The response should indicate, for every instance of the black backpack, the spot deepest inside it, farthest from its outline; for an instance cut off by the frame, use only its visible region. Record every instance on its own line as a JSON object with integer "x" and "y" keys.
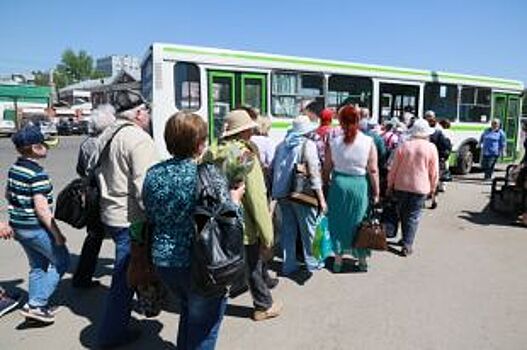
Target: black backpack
{"x": 442, "y": 143}
{"x": 218, "y": 252}
{"x": 78, "y": 203}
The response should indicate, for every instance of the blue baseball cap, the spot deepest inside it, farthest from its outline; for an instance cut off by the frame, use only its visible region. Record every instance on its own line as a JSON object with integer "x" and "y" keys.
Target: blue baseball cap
{"x": 31, "y": 135}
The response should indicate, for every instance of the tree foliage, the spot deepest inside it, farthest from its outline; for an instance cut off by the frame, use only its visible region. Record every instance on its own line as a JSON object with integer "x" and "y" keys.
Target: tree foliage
{"x": 74, "y": 67}
{"x": 41, "y": 78}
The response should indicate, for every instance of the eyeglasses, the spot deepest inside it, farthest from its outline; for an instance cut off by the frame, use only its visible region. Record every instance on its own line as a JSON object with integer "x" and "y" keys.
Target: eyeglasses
{"x": 147, "y": 108}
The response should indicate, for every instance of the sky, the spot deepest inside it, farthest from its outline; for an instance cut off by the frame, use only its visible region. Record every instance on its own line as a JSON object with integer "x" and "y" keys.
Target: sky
{"x": 472, "y": 37}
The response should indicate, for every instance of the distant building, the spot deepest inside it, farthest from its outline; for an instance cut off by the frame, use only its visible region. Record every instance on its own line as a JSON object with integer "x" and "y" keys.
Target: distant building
{"x": 114, "y": 64}
{"x": 101, "y": 89}
{"x": 18, "y": 79}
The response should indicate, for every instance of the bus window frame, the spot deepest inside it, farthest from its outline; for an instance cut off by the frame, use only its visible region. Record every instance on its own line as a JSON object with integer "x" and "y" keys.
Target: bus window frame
{"x": 147, "y": 71}
{"x": 369, "y": 100}
{"x": 297, "y": 96}
{"x": 176, "y": 84}
{"x": 455, "y": 102}
{"x": 475, "y": 104}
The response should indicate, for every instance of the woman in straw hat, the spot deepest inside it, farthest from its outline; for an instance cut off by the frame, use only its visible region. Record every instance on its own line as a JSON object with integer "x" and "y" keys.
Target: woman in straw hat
{"x": 258, "y": 230}
{"x": 412, "y": 177}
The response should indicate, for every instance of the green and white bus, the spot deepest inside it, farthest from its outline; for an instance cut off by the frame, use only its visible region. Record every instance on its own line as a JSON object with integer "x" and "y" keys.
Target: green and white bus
{"x": 210, "y": 82}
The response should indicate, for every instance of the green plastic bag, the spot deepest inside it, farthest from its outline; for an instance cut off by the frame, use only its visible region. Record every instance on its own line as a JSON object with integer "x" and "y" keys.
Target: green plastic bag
{"x": 322, "y": 248}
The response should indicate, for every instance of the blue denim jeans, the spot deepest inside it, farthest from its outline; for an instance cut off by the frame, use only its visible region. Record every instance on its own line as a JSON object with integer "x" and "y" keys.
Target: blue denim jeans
{"x": 48, "y": 262}
{"x": 297, "y": 218}
{"x": 118, "y": 306}
{"x": 409, "y": 207}
{"x": 200, "y": 318}
{"x": 487, "y": 164}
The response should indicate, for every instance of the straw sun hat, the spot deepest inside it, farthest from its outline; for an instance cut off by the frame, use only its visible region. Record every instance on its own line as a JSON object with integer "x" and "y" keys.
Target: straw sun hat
{"x": 237, "y": 121}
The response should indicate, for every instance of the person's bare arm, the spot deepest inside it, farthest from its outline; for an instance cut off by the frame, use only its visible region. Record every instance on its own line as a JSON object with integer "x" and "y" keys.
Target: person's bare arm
{"x": 46, "y": 218}
{"x": 373, "y": 172}
{"x": 327, "y": 167}
{"x": 6, "y": 232}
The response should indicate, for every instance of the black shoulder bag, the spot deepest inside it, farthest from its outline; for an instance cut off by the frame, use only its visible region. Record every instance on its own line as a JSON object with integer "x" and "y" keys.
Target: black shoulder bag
{"x": 217, "y": 259}
{"x": 78, "y": 203}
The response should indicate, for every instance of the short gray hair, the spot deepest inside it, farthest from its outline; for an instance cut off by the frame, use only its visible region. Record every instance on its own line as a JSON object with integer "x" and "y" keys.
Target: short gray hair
{"x": 430, "y": 113}
{"x": 102, "y": 117}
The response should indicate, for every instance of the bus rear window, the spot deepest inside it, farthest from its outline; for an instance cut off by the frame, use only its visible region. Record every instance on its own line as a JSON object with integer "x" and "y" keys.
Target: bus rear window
{"x": 147, "y": 79}
{"x": 187, "y": 86}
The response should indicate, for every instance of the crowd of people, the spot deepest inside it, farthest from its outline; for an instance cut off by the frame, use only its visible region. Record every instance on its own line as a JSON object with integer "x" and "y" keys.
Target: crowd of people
{"x": 350, "y": 168}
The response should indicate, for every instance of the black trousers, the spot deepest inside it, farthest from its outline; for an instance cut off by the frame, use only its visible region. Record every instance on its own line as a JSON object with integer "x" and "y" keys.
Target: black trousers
{"x": 262, "y": 299}
{"x": 88, "y": 258}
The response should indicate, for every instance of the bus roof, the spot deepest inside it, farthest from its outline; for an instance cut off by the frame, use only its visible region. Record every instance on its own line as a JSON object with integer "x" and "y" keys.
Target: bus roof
{"x": 272, "y": 61}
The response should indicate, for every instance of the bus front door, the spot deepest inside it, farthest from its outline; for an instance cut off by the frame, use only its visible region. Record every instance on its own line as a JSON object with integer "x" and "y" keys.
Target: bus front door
{"x": 253, "y": 91}
{"x": 222, "y": 92}
{"x": 228, "y": 90}
{"x": 507, "y": 110}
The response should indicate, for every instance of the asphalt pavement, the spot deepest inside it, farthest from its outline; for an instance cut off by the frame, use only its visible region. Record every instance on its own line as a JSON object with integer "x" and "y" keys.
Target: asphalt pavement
{"x": 463, "y": 288}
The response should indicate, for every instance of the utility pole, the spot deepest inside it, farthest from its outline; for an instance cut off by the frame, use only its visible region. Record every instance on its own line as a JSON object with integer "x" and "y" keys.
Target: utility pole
{"x": 54, "y": 97}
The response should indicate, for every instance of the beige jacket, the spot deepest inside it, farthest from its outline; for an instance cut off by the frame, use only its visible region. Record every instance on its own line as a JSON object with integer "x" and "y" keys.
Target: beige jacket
{"x": 122, "y": 172}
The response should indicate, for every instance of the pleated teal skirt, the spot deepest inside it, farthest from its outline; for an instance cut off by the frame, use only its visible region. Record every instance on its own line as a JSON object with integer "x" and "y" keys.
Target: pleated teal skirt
{"x": 347, "y": 207}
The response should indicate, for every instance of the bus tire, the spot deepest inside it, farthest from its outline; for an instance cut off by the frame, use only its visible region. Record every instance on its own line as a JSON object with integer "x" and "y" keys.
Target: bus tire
{"x": 465, "y": 160}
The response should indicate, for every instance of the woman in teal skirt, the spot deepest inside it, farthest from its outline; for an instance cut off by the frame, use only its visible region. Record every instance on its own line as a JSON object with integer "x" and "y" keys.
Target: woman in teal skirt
{"x": 351, "y": 160}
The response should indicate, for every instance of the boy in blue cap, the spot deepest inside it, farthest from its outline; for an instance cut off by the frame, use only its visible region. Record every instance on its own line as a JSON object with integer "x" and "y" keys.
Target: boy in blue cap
{"x": 30, "y": 196}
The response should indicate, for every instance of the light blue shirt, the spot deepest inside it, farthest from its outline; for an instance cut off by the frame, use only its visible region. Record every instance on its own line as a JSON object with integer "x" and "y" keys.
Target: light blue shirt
{"x": 493, "y": 142}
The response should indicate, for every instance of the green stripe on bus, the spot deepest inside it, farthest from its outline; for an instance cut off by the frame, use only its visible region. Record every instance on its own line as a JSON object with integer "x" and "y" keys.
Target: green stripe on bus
{"x": 469, "y": 127}
{"x": 284, "y": 124}
{"x": 280, "y": 124}
{"x": 364, "y": 67}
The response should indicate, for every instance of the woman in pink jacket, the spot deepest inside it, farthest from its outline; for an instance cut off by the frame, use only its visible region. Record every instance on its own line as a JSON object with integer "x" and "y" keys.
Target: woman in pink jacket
{"x": 412, "y": 177}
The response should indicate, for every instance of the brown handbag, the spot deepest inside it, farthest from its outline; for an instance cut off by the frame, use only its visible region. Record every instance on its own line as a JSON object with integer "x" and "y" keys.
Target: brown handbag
{"x": 371, "y": 233}
{"x": 301, "y": 191}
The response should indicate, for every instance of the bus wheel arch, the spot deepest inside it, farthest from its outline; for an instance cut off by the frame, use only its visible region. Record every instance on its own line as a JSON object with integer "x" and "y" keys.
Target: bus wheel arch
{"x": 467, "y": 155}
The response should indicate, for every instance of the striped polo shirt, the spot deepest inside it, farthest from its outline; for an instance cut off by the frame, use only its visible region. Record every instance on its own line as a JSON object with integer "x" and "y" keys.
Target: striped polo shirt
{"x": 25, "y": 179}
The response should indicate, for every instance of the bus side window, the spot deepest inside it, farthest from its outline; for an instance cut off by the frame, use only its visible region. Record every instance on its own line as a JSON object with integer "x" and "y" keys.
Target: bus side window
{"x": 349, "y": 89}
{"x": 187, "y": 86}
{"x": 290, "y": 89}
{"x": 475, "y": 103}
{"x": 442, "y": 99}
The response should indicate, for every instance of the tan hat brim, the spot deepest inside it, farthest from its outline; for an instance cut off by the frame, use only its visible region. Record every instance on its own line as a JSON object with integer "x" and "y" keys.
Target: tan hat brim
{"x": 239, "y": 129}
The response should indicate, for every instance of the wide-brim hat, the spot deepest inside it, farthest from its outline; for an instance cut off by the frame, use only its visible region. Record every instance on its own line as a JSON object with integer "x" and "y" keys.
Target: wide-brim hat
{"x": 237, "y": 121}
{"x": 421, "y": 129}
{"x": 302, "y": 125}
{"x": 124, "y": 100}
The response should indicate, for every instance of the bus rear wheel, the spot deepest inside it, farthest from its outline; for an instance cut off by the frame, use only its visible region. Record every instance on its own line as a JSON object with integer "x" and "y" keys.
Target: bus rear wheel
{"x": 465, "y": 160}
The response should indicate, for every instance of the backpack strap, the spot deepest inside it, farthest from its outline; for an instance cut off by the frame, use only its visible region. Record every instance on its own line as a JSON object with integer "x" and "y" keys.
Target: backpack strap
{"x": 303, "y": 152}
{"x": 107, "y": 147}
